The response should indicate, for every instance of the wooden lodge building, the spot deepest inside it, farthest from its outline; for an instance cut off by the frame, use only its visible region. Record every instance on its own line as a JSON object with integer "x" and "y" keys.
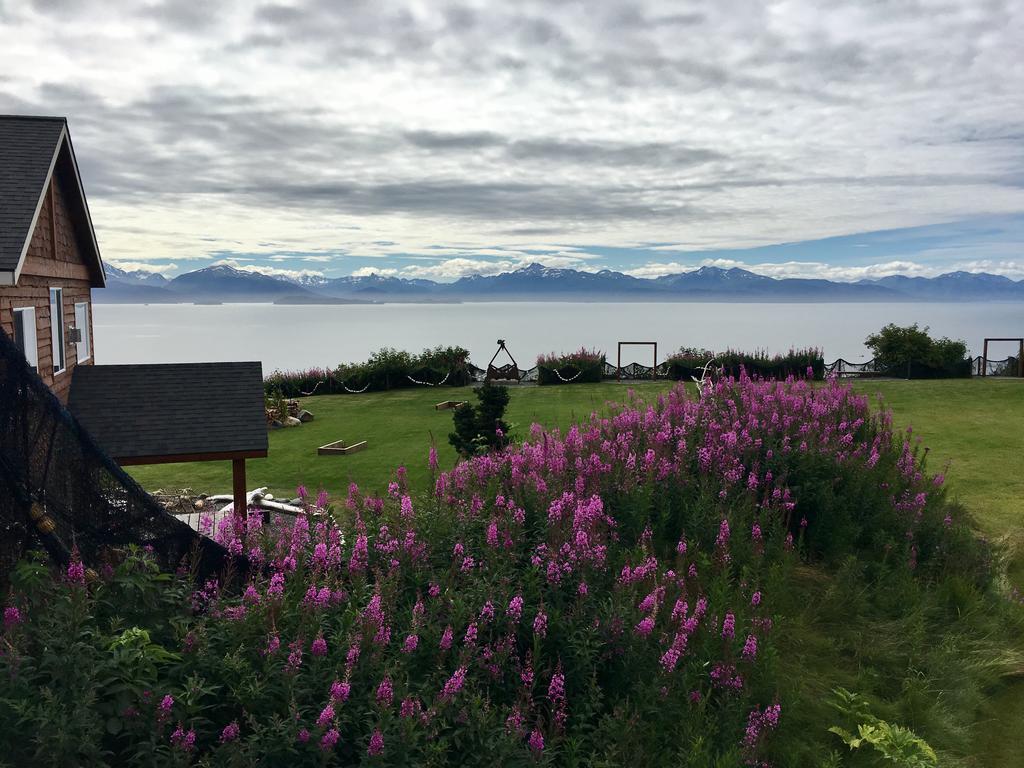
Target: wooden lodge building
{"x": 49, "y": 260}
{"x": 49, "y": 264}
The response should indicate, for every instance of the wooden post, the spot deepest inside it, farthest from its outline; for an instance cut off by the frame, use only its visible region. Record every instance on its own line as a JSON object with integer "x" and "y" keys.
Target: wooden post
{"x": 984, "y": 358}
{"x": 238, "y": 482}
{"x": 1020, "y": 359}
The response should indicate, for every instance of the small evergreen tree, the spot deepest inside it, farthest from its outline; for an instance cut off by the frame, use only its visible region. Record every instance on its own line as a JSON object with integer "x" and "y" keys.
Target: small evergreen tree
{"x": 481, "y": 428}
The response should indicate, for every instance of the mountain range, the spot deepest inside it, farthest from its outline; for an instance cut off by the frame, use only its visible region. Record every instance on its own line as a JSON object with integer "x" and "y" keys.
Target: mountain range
{"x": 224, "y": 284}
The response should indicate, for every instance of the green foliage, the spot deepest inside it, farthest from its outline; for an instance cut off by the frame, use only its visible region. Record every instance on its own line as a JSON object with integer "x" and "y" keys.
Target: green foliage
{"x": 387, "y": 368}
{"x": 689, "y": 362}
{"x": 895, "y": 745}
{"x": 584, "y": 366}
{"x": 910, "y": 351}
{"x": 274, "y": 401}
{"x": 481, "y": 428}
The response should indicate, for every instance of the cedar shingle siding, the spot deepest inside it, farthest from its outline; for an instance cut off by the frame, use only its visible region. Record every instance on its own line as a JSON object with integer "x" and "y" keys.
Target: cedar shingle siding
{"x": 60, "y": 252}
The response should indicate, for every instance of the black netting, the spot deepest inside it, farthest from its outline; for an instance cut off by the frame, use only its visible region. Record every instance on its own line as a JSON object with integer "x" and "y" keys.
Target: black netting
{"x": 52, "y": 469}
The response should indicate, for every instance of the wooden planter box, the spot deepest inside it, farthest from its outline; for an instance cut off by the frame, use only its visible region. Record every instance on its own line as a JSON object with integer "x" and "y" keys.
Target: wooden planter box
{"x": 339, "y": 447}
{"x": 448, "y": 404}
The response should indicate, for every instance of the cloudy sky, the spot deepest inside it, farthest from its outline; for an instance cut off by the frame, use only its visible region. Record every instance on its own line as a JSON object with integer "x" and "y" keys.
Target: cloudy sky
{"x": 438, "y": 139}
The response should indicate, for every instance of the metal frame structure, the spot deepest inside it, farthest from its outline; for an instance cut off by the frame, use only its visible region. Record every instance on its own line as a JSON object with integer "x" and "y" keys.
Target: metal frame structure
{"x": 618, "y": 366}
{"x": 1020, "y": 355}
{"x": 500, "y": 374}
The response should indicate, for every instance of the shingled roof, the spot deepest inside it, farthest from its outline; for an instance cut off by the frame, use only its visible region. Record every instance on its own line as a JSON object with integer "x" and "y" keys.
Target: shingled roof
{"x": 32, "y": 149}
{"x": 177, "y": 411}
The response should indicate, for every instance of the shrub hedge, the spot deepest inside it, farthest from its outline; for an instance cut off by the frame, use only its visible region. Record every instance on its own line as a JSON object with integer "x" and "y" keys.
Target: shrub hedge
{"x": 688, "y": 362}
{"x": 386, "y": 368}
{"x": 580, "y": 367}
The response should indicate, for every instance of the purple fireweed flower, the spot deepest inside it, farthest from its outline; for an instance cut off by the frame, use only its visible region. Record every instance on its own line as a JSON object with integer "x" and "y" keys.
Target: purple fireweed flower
{"x": 470, "y": 638}
{"x": 487, "y": 612}
{"x": 385, "y": 692}
{"x": 645, "y": 627}
{"x": 376, "y": 743}
{"x": 410, "y": 707}
{"x": 230, "y": 732}
{"x": 12, "y": 617}
{"x": 301, "y": 492}
{"x": 515, "y": 608}
{"x": 76, "y": 572}
{"x": 410, "y": 644}
{"x": 750, "y": 648}
{"x": 182, "y": 739}
{"x": 556, "y": 695}
{"x": 273, "y": 644}
{"x": 536, "y": 741}
{"x": 319, "y": 647}
{"x": 446, "y": 638}
{"x": 276, "y": 588}
{"x": 514, "y": 722}
{"x": 432, "y": 458}
{"x": 322, "y": 499}
{"x": 329, "y": 739}
{"x": 166, "y": 704}
{"x": 729, "y": 626}
{"x": 454, "y": 684}
{"x": 303, "y": 735}
{"x": 340, "y": 691}
{"x": 326, "y": 716}
{"x": 540, "y": 624}
{"x": 755, "y": 599}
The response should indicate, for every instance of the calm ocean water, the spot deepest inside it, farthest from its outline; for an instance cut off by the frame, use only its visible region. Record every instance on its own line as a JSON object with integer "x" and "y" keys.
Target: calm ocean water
{"x": 290, "y": 337}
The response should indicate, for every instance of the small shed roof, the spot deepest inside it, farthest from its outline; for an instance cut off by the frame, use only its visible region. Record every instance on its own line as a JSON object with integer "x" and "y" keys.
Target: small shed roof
{"x": 172, "y": 412}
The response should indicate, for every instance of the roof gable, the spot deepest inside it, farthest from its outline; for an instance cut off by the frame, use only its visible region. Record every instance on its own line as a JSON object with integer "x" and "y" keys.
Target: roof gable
{"x": 32, "y": 150}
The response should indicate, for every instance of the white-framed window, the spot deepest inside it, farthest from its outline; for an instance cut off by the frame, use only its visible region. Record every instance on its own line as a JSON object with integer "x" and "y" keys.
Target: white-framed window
{"x": 25, "y": 334}
{"x": 57, "y": 329}
{"x": 84, "y": 347}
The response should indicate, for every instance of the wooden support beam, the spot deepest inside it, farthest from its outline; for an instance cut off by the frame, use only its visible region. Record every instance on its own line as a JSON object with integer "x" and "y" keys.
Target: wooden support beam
{"x": 238, "y": 485}
{"x": 984, "y": 359}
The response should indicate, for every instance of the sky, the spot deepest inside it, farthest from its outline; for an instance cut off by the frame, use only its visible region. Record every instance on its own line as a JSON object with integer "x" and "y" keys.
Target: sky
{"x": 436, "y": 139}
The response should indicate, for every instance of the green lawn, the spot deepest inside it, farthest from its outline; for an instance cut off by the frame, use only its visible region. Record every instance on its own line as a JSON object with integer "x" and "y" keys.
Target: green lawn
{"x": 398, "y": 425}
{"x": 976, "y": 426}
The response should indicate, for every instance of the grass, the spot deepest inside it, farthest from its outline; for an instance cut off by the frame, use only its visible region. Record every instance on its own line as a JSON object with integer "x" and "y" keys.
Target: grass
{"x": 398, "y": 425}
{"x": 975, "y": 426}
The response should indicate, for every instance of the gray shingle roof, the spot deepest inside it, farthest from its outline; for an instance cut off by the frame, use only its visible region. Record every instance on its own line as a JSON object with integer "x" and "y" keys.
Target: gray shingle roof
{"x": 134, "y": 411}
{"x": 27, "y": 147}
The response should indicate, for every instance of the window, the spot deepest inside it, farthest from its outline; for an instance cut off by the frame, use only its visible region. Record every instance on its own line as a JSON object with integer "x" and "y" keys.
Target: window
{"x": 25, "y": 334}
{"x": 57, "y": 329}
{"x": 84, "y": 347}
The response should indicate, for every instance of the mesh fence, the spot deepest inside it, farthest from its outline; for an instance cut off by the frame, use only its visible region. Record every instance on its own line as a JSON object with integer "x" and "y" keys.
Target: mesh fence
{"x": 60, "y": 490}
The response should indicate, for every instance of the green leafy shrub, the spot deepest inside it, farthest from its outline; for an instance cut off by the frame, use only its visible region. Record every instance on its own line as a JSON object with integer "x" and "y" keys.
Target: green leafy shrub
{"x": 481, "y": 428}
{"x": 688, "y": 362}
{"x": 387, "y": 368}
{"x": 582, "y": 366}
{"x": 910, "y": 352}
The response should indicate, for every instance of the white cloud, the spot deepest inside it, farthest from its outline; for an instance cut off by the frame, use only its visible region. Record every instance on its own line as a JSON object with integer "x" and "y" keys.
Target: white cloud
{"x": 379, "y": 271}
{"x": 388, "y": 128}
{"x": 456, "y": 267}
{"x": 143, "y": 266}
{"x": 291, "y": 274}
{"x": 837, "y": 273}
